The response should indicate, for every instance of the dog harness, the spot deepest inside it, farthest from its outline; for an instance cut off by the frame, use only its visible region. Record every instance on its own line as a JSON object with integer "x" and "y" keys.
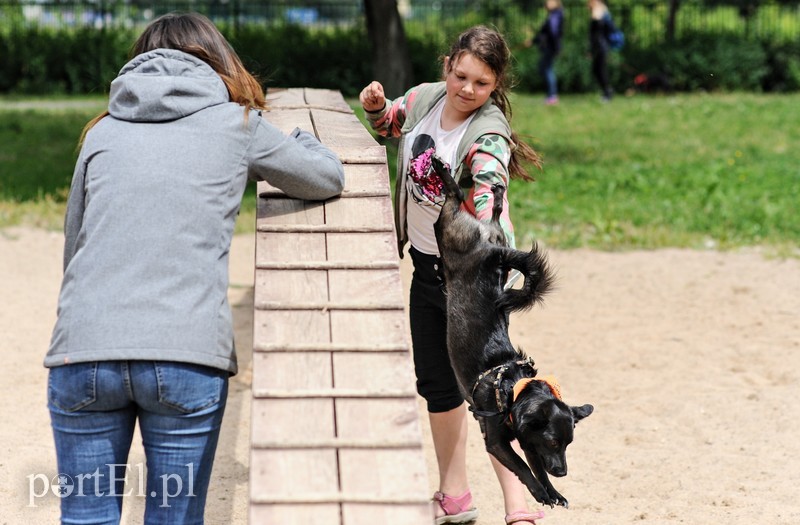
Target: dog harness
{"x": 494, "y": 377}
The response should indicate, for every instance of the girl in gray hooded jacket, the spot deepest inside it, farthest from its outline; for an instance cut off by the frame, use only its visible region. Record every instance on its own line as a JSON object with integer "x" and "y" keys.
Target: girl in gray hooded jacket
{"x": 144, "y": 330}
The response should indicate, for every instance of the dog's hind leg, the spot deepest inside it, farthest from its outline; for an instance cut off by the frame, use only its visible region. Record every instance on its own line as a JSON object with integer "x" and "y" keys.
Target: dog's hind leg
{"x": 451, "y": 187}
{"x": 498, "y": 236}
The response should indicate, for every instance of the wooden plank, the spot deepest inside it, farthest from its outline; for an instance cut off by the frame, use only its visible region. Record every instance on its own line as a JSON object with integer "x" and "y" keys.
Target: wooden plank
{"x": 378, "y": 420}
{"x": 332, "y": 347}
{"x": 295, "y": 371}
{"x": 376, "y": 472}
{"x": 326, "y": 97}
{"x": 296, "y": 327}
{"x": 277, "y": 97}
{"x": 341, "y": 130}
{"x": 318, "y": 514}
{"x": 372, "y": 178}
{"x": 291, "y": 286}
{"x": 361, "y": 180}
{"x": 358, "y": 212}
{"x": 372, "y": 371}
{"x": 287, "y": 120}
{"x": 367, "y": 514}
{"x": 282, "y": 474}
{"x": 276, "y": 247}
{"x": 378, "y": 246}
{"x": 365, "y": 286}
{"x": 354, "y": 327}
{"x": 276, "y": 421}
{"x": 289, "y": 211}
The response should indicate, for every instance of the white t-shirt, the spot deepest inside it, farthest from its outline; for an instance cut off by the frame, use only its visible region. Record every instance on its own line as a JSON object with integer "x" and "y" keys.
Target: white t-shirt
{"x": 423, "y": 185}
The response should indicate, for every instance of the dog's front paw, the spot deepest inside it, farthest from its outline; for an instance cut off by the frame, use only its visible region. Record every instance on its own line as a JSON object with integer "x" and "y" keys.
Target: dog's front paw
{"x": 541, "y": 495}
{"x": 558, "y": 499}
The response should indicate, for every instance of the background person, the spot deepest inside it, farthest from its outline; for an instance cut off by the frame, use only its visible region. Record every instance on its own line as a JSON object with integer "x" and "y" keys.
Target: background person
{"x": 598, "y": 46}
{"x": 144, "y": 331}
{"x": 464, "y": 121}
{"x": 548, "y": 38}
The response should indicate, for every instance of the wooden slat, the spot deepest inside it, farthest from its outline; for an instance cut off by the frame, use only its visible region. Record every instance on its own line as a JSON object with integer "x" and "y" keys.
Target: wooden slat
{"x": 312, "y": 393}
{"x": 377, "y": 420}
{"x": 277, "y": 97}
{"x": 323, "y": 228}
{"x": 366, "y": 514}
{"x": 373, "y": 370}
{"x": 289, "y": 211}
{"x": 274, "y": 247}
{"x": 309, "y": 441}
{"x": 329, "y": 265}
{"x": 339, "y": 497}
{"x": 326, "y": 97}
{"x": 332, "y": 347}
{"x": 341, "y": 131}
{"x": 319, "y": 514}
{"x": 365, "y": 286}
{"x": 298, "y": 370}
{"x": 287, "y": 120}
{"x": 375, "y": 246}
{"x": 290, "y": 286}
{"x": 297, "y": 326}
{"x": 283, "y": 474}
{"x": 329, "y": 306}
{"x": 375, "y": 472}
{"x": 348, "y": 327}
{"x": 359, "y": 212}
{"x": 361, "y": 180}
{"x": 270, "y": 418}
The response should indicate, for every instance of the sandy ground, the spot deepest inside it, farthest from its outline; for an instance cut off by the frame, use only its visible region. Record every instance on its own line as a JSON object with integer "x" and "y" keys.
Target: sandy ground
{"x": 691, "y": 359}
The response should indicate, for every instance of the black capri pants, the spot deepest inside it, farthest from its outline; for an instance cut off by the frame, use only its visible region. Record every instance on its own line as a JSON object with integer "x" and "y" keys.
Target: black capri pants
{"x": 436, "y": 381}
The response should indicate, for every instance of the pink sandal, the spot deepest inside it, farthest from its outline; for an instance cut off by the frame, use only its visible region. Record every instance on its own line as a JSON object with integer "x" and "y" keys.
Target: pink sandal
{"x": 456, "y": 510}
{"x": 524, "y": 515}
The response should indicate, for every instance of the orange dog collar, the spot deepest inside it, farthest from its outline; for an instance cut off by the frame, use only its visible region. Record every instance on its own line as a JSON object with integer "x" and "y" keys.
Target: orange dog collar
{"x": 550, "y": 381}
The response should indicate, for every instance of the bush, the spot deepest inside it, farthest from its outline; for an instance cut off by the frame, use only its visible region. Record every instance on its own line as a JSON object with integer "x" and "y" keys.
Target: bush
{"x": 46, "y": 61}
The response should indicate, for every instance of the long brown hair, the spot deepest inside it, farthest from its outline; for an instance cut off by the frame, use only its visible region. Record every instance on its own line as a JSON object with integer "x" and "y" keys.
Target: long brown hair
{"x": 490, "y": 47}
{"x": 196, "y": 35}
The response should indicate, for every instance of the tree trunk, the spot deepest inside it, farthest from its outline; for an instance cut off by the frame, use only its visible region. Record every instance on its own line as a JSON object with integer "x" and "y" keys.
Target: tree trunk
{"x": 391, "y": 62}
{"x": 673, "y": 13}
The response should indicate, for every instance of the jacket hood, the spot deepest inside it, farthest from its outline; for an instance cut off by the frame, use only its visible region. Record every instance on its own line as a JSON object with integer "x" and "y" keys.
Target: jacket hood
{"x": 164, "y": 84}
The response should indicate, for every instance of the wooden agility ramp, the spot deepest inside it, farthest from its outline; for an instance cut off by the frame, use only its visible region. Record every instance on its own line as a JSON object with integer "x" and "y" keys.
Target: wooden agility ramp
{"x": 335, "y": 430}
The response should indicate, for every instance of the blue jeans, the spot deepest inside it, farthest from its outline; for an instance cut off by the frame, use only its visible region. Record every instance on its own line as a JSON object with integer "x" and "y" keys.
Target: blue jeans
{"x": 94, "y": 408}
{"x": 547, "y": 69}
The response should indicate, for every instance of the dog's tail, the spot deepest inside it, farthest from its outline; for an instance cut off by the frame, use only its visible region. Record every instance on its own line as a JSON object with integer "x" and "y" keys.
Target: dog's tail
{"x": 539, "y": 279}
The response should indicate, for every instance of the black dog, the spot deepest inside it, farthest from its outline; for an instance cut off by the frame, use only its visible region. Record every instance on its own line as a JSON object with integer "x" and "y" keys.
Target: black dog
{"x": 498, "y": 381}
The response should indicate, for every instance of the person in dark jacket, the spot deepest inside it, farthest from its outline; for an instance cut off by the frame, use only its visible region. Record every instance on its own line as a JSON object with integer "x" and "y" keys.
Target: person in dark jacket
{"x": 598, "y": 46}
{"x": 144, "y": 333}
{"x": 548, "y": 38}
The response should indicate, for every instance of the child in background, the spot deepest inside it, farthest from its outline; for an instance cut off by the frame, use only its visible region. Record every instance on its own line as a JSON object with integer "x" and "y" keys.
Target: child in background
{"x": 464, "y": 120}
{"x": 548, "y": 39}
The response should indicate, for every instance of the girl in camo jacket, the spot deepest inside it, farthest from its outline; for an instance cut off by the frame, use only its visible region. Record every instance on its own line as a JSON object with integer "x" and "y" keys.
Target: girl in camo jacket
{"x": 464, "y": 120}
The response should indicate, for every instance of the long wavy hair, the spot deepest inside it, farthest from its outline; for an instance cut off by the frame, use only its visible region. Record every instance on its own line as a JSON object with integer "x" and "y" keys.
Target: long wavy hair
{"x": 490, "y": 47}
{"x": 196, "y": 35}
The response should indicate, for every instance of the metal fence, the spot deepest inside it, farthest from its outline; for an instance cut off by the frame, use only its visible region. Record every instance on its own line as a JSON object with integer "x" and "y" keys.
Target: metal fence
{"x": 644, "y": 21}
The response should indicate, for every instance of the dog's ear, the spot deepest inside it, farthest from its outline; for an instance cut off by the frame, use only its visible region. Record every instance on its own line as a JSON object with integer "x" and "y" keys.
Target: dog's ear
{"x": 579, "y": 413}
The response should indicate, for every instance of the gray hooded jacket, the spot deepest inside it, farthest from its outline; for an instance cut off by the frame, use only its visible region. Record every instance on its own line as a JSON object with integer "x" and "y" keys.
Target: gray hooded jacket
{"x": 151, "y": 211}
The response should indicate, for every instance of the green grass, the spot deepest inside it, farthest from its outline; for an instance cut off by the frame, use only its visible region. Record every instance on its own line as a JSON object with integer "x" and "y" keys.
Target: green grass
{"x": 696, "y": 171}
{"x": 690, "y": 170}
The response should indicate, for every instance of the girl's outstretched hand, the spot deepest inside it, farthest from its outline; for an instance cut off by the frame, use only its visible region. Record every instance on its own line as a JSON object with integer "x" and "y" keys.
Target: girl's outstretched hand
{"x": 372, "y": 97}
